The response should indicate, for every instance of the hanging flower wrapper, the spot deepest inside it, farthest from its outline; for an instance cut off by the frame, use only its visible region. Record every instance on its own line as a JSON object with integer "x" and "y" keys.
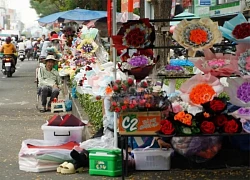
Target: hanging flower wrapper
{"x": 134, "y": 34}
{"x": 197, "y": 34}
{"x": 237, "y": 29}
{"x": 217, "y": 64}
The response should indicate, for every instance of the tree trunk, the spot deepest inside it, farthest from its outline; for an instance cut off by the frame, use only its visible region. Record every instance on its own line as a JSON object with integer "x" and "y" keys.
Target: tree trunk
{"x": 162, "y": 10}
{"x": 142, "y": 9}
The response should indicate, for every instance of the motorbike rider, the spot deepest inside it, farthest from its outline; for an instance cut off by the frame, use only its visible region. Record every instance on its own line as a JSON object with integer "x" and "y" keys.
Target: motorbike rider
{"x": 21, "y": 45}
{"x": 36, "y": 47}
{"x": 9, "y": 49}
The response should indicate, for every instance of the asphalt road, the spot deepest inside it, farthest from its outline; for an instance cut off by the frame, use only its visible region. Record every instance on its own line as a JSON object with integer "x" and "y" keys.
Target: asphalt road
{"x": 20, "y": 120}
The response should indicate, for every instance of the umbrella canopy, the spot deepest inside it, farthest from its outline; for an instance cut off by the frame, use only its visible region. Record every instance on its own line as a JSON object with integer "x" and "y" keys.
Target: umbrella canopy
{"x": 181, "y": 16}
{"x": 72, "y": 15}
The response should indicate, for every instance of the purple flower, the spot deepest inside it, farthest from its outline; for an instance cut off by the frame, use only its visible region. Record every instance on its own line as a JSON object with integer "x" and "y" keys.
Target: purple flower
{"x": 244, "y": 111}
{"x": 138, "y": 61}
{"x": 173, "y": 68}
{"x": 243, "y": 93}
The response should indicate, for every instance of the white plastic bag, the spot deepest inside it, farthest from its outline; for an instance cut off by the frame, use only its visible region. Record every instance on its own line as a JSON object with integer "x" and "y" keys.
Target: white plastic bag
{"x": 42, "y": 159}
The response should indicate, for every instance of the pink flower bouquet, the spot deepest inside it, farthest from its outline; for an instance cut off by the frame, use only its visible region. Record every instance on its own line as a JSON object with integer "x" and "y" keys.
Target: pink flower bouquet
{"x": 200, "y": 89}
{"x": 217, "y": 64}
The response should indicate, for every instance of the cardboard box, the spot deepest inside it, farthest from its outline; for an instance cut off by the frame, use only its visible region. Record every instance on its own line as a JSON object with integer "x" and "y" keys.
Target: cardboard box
{"x": 139, "y": 123}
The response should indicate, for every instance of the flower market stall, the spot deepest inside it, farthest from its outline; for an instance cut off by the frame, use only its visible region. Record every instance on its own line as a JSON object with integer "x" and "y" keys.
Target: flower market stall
{"x": 199, "y": 112}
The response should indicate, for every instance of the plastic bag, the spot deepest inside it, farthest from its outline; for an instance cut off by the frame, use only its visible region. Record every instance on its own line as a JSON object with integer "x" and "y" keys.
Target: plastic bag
{"x": 73, "y": 92}
{"x": 42, "y": 159}
{"x": 68, "y": 105}
{"x": 198, "y": 149}
{"x": 106, "y": 141}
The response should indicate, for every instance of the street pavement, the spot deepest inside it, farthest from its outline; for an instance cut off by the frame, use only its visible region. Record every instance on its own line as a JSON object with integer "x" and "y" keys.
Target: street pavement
{"x": 20, "y": 120}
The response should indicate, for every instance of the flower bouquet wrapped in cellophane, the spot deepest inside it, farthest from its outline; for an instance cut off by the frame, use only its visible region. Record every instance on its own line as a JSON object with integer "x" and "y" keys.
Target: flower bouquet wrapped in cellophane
{"x": 237, "y": 29}
{"x": 197, "y": 34}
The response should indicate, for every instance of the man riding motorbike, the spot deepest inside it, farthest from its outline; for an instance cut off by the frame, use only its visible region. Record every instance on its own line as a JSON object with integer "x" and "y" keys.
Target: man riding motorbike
{"x": 9, "y": 49}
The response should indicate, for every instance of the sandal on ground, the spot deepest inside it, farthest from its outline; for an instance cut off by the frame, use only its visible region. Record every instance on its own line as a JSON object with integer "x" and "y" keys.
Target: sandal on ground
{"x": 70, "y": 169}
{"x": 60, "y": 167}
{"x": 43, "y": 110}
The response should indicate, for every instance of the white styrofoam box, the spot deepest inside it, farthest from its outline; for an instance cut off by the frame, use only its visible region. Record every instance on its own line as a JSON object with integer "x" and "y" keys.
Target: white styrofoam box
{"x": 63, "y": 133}
{"x": 152, "y": 158}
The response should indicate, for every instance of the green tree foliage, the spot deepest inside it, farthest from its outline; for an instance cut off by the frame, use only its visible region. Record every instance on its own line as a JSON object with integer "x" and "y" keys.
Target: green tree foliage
{"x": 46, "y": 7}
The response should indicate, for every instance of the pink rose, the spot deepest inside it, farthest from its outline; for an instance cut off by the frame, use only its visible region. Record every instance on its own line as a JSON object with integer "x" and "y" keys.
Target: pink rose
{"x": 176, "y": 107}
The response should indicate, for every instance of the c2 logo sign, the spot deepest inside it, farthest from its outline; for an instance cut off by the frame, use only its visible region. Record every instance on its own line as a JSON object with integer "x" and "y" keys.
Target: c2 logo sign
{"x": 129, "y": 124}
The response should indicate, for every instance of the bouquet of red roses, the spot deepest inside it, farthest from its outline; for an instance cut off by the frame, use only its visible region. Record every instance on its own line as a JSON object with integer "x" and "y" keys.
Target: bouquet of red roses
{"x": 167, "y": 127}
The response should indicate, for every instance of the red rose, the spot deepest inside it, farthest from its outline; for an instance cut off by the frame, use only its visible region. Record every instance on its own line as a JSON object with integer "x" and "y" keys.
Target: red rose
{"x": 207, "y": 127}
{"x": 231, "y": 126}
{"x": 167, "y": 127}
{"x": 130, "y": 81}
{"x": 117, "y": 109}
{"x": 241, "y": 31}
{"x": 124, "y": 107}
{"x": 217, "y": 105}
{"x": 220, "y": 120}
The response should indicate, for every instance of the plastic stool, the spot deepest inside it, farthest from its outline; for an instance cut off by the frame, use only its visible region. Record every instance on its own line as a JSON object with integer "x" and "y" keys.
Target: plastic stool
{"x": 58, "y": 106}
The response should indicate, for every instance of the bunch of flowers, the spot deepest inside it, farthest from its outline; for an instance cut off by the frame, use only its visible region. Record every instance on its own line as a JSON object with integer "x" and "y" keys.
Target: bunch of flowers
{"x": 217, "y": 64}
{"x": 184, "y": 123}
{"x": 87, "y": 46}
{"x": 127, "y": 97}
{"x": 244, "y": 62}
{"x": 197, "y": 34}
{"x": 241, "y": 31}
{"x": 200, "y": 89}
{"x": 239, "y": 91}
{"x": 237, "y": 29}
{"x": 139, "y": 61}
{"x": 167, "y": 127}
{"x": 172, "y": 70}
{"x": 215, "y": 106}
{"x": 184, "y": 118}
{"x": 134, "y": 34}
{"x": 140, "y": 64}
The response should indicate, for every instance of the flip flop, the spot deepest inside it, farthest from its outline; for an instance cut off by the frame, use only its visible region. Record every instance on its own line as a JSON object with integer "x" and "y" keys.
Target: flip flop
{"x": 60, "y": 167}
{"x": 70, "y": 169}
{"x": 43, "y": 110}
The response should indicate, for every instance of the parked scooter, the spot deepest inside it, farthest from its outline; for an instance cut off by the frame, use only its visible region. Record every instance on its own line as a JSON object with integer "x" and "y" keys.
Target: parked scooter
{"x": 8, "y": 66}
{"x": 21, "y": 55}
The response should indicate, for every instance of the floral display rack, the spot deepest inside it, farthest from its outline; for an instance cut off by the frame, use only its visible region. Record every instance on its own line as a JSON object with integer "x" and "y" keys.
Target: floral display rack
{"x": 202, "y": 42}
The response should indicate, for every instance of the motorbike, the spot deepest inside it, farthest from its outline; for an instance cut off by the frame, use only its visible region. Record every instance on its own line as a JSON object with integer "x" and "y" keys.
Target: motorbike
{"x": 38, "y": 54}
{"x": 21, "y": 55}
{"x": 8, "y": 66}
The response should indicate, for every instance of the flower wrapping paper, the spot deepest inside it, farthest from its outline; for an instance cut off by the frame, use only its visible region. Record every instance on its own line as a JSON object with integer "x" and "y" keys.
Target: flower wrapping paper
{"x": 228, "y": 27}
{"x": 239, "y": 91}
{"x": 225, "y": 63}
{"x": 206, "y": 29}
{"x": 211, "y": 81}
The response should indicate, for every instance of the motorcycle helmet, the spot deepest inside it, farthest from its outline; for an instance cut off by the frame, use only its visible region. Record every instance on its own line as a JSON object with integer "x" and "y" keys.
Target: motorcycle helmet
{"x": 8, "y": 40}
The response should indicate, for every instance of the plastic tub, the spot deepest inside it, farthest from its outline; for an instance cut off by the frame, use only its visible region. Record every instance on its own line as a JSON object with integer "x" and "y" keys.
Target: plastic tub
{"x": 152, "y": 159}
{"x": 63, "y": 133}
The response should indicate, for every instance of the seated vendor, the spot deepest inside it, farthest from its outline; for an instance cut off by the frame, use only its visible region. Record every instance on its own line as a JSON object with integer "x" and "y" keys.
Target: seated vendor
{"x": 49, "y": 82}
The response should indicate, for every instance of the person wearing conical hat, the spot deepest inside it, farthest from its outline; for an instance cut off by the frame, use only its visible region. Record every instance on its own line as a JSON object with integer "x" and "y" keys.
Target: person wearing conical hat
{"x": 49, "y": 83}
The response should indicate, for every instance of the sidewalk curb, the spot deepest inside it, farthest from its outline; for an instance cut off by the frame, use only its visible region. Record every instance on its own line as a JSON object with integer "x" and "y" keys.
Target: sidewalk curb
{"x": 78, "y": 111}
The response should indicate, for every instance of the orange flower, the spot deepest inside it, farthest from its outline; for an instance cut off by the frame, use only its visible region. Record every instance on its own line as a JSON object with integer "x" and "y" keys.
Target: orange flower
{"x": 201, "y": 94}
{"x": 198, "y": 36}
{"x": 183, "y": 118}
{"x": 179, "y": 115}
{"x": 206, "y": 115}
{"x": 108, "y": 90}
